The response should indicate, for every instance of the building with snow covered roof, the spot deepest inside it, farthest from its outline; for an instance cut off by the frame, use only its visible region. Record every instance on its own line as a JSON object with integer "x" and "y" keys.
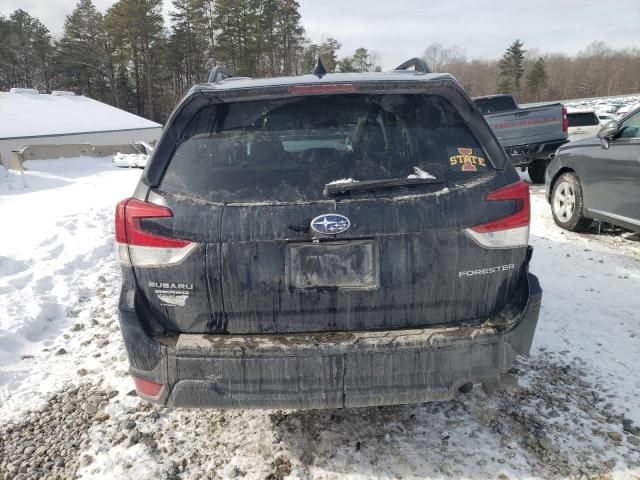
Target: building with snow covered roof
{"x": 28, "y": 118}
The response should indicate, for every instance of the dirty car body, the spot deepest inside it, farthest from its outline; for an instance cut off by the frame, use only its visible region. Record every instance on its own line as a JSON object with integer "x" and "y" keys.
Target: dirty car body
{"x": 306, "y": 242}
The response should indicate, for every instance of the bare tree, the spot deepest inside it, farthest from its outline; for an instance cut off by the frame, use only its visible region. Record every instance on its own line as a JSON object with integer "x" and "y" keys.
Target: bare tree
{"x": 440, "y": 58}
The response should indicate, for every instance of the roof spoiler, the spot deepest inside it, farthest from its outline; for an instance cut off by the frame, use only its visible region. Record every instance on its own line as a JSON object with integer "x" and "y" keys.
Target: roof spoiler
{"x": 417, "y": 63}
{"x": 219, "y": 72}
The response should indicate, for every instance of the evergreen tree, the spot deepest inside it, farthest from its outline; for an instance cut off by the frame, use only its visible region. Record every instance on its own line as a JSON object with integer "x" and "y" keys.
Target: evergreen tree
{"x": 189, "y": 42}
{"x": 290, "y": 35}
{"x": 512, "y": 68}
{"x": 81, "y": 57}
{"x": 536, "y": 79}
{"x": 236, "y": 43}
{"x": 347, "y": 64}
{"x": 361, "y": 60}
{"x": 208, "y": 7}
{"x": 258, "y": 37}
{"x": 26, "y": 52}
{"x": 7, "y": 56}
{"x": 309, "y": 57}
{"x": 136, "y": 27}
{"x": 327, "y": 51}
{"x": 127, "y": 58}
{"x": 268, "y": 39}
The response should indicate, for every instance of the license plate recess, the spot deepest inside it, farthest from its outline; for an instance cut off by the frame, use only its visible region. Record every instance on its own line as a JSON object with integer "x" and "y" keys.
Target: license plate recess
{"x": 349, "y": 265}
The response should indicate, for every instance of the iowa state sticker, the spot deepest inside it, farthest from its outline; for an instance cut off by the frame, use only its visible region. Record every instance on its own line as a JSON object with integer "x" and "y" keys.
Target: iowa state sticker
{"x": 467, "y": 159}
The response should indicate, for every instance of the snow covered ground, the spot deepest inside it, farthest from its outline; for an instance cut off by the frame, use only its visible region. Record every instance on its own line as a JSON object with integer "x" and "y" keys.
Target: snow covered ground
{"x": 134, "y": 160}
{"x": 66, "y": 402}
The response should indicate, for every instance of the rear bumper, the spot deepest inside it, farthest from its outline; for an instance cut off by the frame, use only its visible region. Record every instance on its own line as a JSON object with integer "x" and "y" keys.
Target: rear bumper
{"x": 523, "y": 155}
{"x": 333, "y": 370}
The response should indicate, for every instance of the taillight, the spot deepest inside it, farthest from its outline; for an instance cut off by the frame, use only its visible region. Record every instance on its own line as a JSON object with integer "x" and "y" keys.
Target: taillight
{"x": 142, "y": 248}
{"x": 510, "y": 231}
{"x": 323, "y": 88}
{"x": 565, "y": 122}
{"x": 146, "y": 387}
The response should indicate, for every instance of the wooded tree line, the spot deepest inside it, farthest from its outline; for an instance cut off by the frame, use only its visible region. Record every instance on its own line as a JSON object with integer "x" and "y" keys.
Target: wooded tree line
{"x": 130, "y": 56}
{"x": 533, "y": 76}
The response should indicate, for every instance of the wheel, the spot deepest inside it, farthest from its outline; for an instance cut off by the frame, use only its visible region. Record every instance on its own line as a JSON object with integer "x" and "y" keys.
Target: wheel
{"x": 536, "y": 171}
{"x": 567, "y": 203}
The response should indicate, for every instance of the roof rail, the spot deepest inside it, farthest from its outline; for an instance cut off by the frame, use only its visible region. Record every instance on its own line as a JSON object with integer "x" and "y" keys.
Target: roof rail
{"x": 219, "y": 73}
{"x": 417, "y": 63}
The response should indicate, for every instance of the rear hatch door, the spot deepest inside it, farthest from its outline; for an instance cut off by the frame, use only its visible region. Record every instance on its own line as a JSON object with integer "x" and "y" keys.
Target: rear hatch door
{"x": 332, "y": 213}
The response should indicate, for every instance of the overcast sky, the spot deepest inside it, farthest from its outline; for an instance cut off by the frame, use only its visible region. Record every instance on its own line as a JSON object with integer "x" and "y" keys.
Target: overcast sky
{"x": 399, "y": 29}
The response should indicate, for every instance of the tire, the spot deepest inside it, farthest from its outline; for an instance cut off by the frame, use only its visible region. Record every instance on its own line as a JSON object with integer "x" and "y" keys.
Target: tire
{"x": 567, "y": 203}
{"x": 536, "y": 170}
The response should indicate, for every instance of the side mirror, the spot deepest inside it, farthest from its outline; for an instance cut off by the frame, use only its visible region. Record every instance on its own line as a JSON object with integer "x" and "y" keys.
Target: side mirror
{"x": 607, "y": 132}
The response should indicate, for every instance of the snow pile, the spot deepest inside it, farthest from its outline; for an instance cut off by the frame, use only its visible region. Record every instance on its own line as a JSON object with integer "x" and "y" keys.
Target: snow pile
{"x": 57, "y": 252}
{"x": 4, "y": 179}
{"x": 130, "y": 160}
{"x": 419, "y": 173}
{"x": 11, "y": 180}
{"x": 343, "y": 181}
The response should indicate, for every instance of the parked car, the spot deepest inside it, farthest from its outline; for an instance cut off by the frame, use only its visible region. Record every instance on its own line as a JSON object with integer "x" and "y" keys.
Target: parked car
{"x": 582, "y": 124}
{"x": 605, "y": 117}
{"x": 530, "y": 135}
{"x": 323, "y": 241}
{"x": 598, "y": 178}
{"x": 625, "y": 110}
{"x": 606, "y": 107}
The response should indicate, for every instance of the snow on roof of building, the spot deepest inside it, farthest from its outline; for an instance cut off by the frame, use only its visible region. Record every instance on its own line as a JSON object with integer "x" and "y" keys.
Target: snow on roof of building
{"x": 26, "y": 113}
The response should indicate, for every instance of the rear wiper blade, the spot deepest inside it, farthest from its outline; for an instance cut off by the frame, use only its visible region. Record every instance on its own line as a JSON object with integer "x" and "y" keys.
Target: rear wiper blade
{"x": 331, "y": 189}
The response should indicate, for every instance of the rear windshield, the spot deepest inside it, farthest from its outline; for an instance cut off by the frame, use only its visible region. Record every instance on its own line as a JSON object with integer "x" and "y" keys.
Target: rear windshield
{"x": 495, "y": 104}
{"x": 290, "y": 149}
{"x": 583, "y": 119}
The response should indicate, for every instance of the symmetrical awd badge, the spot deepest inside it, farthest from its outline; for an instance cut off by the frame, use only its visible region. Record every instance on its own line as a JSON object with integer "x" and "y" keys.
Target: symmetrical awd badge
{"x": 330, "y": 224}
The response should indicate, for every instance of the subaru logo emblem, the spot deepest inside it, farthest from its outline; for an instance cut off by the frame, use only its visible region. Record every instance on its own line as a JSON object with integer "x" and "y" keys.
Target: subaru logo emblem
{"x": 330, "y": 224}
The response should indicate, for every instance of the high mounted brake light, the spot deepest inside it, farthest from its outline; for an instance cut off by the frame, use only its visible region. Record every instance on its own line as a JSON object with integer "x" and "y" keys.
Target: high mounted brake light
{"x": 510, "y": 231}
{"x": 326, "y": 88}
{"x": 142, "y": 248}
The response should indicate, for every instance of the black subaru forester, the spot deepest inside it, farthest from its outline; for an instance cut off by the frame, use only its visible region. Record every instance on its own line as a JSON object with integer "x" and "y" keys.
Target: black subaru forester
{"x": 325, "y": 241}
